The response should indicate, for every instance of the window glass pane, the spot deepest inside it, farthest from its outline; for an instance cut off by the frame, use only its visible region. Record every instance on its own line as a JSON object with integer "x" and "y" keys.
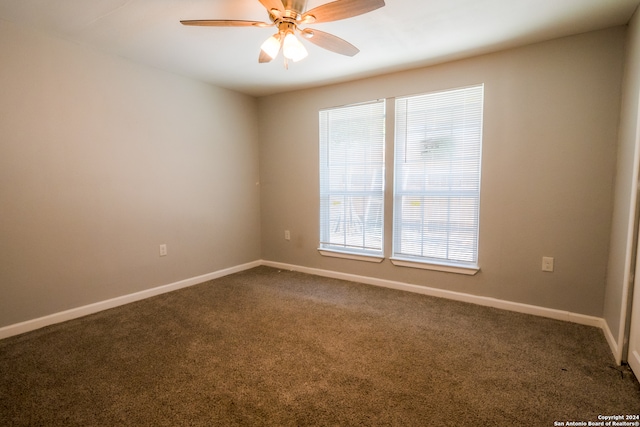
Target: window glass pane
{"x": 352, "y": 178}
{"x": 438, "y": 148}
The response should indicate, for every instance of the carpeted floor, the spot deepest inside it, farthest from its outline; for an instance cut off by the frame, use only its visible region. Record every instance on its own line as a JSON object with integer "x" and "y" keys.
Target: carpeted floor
{"x": 270, "y": 347}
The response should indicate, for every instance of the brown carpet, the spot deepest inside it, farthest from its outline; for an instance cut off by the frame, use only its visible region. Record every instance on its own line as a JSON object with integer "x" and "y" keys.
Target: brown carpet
{"x": 270, "y": 347}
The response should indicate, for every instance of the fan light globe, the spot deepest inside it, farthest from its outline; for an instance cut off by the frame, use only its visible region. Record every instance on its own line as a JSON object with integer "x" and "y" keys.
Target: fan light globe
{"x": 271, "y": 46}
{"x": 293, "y": 49}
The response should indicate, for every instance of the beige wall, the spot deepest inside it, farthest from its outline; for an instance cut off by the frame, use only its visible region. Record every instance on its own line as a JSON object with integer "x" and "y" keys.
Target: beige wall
{"x": 101, "y": 161}
{"x": 551, "y": 115}
{"x": 621, "y": 250}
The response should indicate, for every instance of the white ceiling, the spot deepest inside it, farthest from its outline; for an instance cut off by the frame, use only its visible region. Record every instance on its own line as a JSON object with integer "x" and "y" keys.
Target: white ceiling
{"x": 403, "y": 34}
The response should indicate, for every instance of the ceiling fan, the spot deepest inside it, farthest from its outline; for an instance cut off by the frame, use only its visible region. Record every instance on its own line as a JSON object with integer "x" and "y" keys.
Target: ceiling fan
{"x": 288, "y": 15}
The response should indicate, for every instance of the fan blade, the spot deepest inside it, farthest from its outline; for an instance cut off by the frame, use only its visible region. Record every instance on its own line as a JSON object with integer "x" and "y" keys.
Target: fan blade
{"x": 224, "y": 23}
{"x": 340, "y": 9}
{"x": 330, "y": 42}
{"x": 272, "y": 4}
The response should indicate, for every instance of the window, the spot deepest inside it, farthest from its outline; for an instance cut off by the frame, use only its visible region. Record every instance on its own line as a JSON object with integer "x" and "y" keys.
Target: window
{"x": 438, "y": 139}
{"x": 437, "y": 167}
{"x": 352, "y": 180}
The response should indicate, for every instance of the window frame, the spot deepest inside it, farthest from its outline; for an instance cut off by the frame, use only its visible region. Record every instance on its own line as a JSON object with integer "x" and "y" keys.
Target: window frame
{"x": 389, "y": 229}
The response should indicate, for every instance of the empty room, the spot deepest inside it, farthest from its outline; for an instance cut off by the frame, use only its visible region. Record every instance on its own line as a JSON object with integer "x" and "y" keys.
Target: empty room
{"x": 311, "y": 212}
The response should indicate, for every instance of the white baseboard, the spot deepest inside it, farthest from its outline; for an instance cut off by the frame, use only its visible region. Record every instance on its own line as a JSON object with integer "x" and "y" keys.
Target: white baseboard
{"x": 457, "y": 296}
{"x": 613, "y": 344}
{"x": 74, "y": 313}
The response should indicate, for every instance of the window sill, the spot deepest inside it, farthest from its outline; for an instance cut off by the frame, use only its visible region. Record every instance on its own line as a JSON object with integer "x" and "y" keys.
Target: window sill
{"x": 349, "y": 255}
{"x": 448, "y": 268}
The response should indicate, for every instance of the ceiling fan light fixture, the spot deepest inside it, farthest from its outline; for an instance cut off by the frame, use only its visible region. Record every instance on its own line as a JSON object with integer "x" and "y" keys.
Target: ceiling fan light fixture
{"x": 293, "y": 49}
{"x": 271, "y": 46}
{"x": 288, "y": 15}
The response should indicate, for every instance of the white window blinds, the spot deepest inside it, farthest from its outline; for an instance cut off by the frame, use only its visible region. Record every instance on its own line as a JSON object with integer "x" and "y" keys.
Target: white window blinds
{"x": 438, "y": 145}
{"x": 352, "y": 178}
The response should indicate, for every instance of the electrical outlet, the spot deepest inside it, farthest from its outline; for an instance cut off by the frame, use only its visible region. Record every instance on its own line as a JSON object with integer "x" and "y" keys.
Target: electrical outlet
{"x": 547, "y": 263}
{"x": 163, "y": 250}
{"x": 287, "y": 235}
